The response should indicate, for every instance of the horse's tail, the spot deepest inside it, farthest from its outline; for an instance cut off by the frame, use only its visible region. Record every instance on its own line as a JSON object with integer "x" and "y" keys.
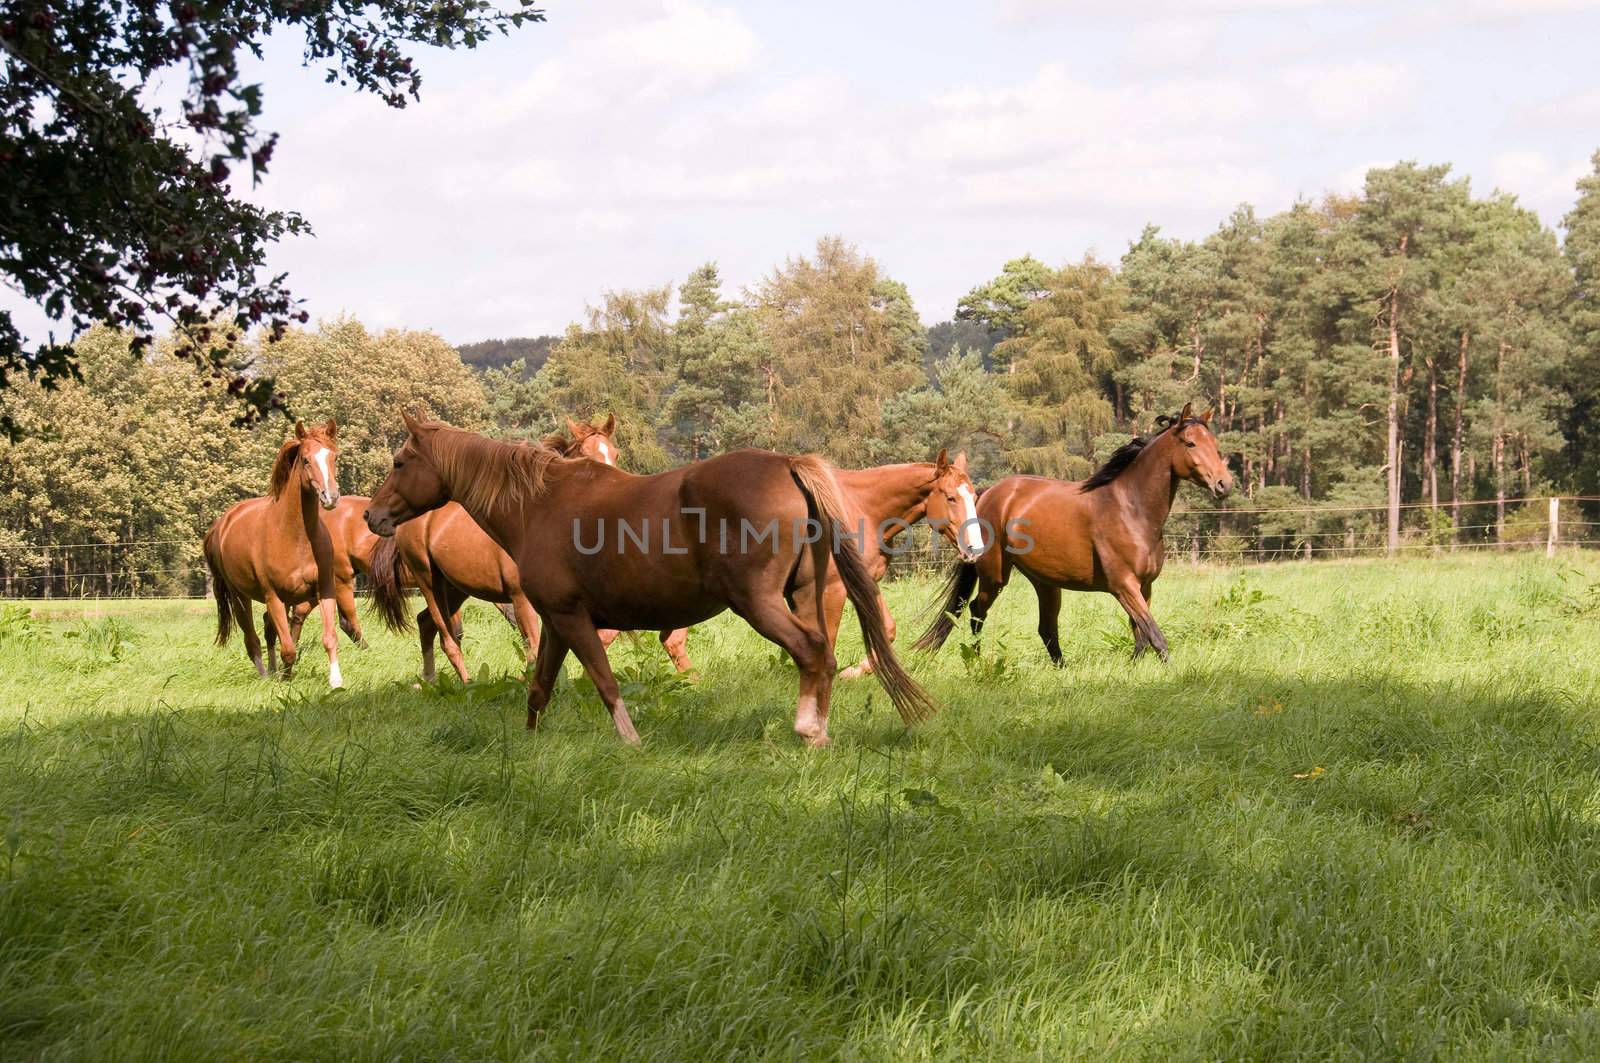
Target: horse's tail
{"x": 816, "y": 481}
{"x": 958, "y": 588}
{"x": 220, "y": 588}
{"x": 388, "y": 597}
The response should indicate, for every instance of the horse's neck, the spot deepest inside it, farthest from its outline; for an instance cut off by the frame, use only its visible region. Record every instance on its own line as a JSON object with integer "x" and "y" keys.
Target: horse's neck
{"x": 295, "y": 508}
{"x": 889, "y": 491}
{"x": 1150, "y": 485}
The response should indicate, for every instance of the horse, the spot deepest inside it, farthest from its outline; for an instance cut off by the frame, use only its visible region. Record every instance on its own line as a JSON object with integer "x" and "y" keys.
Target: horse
{"x": 277, "y": 550}
{"x": 451, "y": 559}
{"x": 891, "y": 498}
{"x": 1103, "y": 534}
{"x": 546, "y": 511}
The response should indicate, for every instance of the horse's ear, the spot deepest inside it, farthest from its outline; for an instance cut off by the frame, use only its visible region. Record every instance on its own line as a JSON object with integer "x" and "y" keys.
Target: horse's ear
{"x": 299, "y": 430}
{"x": 610, "y": 427}
{"x": 412, "y": 422}
{"x": 961, "y": 462}
{"x": 573, "y": 430}
{"x": 1187, "y": 408}
{"x": 1205, "y": 418}
{"x": 942, "y": 462}
{"x": 331, "y": 428}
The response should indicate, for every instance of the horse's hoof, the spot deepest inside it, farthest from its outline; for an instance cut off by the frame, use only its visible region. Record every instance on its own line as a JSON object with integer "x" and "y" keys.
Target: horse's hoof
{"x": 819, "y": 741}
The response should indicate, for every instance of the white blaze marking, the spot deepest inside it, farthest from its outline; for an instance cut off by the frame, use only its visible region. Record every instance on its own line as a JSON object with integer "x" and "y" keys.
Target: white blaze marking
{"x": 605, "y": 452}
{"x": 971, "y": 532}
{"x": 335, "y": 680}
{"x": 321, "y": 458}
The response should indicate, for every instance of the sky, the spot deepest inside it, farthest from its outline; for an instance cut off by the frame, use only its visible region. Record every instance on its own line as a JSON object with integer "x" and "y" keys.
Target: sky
{"x": 624, "y": 142}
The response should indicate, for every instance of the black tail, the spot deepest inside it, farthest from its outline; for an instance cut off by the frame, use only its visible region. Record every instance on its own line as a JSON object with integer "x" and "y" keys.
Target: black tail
{"x": 388, "y": 596}
{"x": 815, "y": 478}
{"x": 220, "y": 590}
{"x": 958, "y": 588}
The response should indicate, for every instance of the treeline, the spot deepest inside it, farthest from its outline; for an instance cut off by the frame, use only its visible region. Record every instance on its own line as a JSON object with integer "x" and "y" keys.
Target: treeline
{"x": 1409, "y": 344}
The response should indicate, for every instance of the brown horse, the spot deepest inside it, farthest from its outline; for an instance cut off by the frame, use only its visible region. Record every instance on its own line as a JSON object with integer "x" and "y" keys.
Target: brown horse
{"x": 277, "y": 550}
{"x": 451, "y": 559}
{"x": 888, "y": 499}
{"x": 732, "y": 532}
{"x": 1103, "y": 534}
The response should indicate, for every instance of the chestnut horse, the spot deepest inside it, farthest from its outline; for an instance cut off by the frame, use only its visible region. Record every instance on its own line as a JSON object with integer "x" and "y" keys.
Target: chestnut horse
{"x": 891, "y": 498}
{"x": 735, "y": 532}
{"x": 1103, "y": 534}
{"x": 451, "y": 559}
{"x": 277, "y": 550}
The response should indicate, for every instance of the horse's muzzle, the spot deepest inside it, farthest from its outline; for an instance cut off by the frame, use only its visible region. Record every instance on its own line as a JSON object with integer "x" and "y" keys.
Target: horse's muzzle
{"x": 1221, "y": 489}
{"x": 381, "y": 525}
{"x": 329, "y": 499}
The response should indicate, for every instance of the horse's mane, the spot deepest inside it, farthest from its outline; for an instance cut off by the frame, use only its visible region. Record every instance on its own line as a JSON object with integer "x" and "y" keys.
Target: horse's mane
{"x": 485, "y": 473}
{"x": 561, "y": 443}
{"x": 283, "y": 467}
{"x": 1124, "y": 455}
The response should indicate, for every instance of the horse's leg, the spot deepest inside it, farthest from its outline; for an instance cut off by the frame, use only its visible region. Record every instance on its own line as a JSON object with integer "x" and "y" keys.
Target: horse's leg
{"x": 345, "y": 594}
{"x": 994, "y": 569}
{"x": 1049, "y": 618}
{"x": 676, "y": 643}
{"x": 330, "y": 640}
{"x": 278, "y": 618}
{"x": 436, "y": 594}
{"x": 271, "y": 630}
{"x": 547, "y": 667}
{"x": 526, "y": 621}
{"x": 812, "y": 654}
{"x": 1130, "y": 593}
{"x": 247, "y": 628}
{"x": 425, "y": 633}
{"x": 578, "y": 632}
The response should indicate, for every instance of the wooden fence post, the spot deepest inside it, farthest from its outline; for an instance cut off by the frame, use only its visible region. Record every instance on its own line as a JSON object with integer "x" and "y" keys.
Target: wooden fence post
{"x": 1554, "y": 534}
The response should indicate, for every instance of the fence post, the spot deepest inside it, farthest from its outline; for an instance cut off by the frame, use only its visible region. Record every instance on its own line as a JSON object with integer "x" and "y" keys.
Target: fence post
{"x": 1554, "y": 535}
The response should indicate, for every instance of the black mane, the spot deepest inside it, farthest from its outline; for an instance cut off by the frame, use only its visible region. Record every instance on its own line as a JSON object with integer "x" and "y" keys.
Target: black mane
{"x": 1123, "y": 456}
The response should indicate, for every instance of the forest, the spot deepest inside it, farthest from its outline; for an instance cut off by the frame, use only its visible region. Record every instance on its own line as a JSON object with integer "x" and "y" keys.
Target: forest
{"x": 1415, "y": 348}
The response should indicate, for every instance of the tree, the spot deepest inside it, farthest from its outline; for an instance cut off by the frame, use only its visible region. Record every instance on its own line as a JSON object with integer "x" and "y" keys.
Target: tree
{"x": 364, "y": 379}
{"x": 720, "y": 361}
{"x": 844, "y": 340}
{"x": 1582, "y": 252}
{"x": 964, "y": 408}
{"x": 998, "y": 306}
{"x": 1061, "y": 360}
{"x": 615, "y": 363}
{"x": 116, "y": 211}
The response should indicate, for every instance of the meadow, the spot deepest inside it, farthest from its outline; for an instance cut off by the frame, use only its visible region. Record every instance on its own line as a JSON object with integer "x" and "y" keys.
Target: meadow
{"x": 1356, "y": 815}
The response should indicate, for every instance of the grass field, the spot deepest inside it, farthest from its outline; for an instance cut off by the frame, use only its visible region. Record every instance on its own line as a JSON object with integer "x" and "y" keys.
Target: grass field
{"x": 1356, "y": 815}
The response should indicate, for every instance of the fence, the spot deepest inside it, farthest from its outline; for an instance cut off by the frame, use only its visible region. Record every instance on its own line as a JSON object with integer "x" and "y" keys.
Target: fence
{"x": 1249, "y": 534}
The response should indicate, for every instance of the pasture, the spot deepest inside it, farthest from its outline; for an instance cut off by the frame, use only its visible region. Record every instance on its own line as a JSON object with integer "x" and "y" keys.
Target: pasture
{"x": 1356, "y": 815}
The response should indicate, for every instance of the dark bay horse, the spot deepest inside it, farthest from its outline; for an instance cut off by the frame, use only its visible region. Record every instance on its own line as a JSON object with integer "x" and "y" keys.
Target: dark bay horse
{"x": 888, "y": 499}
{"x": 1103, "y": 534}
{"x": 450, "y": 559}
{"x": 277, "y": 550}
{"x": 674, "y": 549}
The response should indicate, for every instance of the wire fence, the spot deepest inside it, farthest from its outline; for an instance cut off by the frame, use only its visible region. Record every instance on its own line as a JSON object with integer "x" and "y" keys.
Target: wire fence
{"x": 1250, "y": 534}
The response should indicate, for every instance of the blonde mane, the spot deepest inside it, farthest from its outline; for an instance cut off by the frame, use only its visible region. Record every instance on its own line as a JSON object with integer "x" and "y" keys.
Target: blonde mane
{"x": 485, "y": 473}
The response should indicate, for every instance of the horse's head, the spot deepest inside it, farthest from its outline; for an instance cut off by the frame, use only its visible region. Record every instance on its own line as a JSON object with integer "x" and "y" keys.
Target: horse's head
{"x": 1197, "y": 458}
{"x": 952, "y": 506}
{"x": 314, "y": 453}
{"x": 413, "y": 485}
{"x": 596, "y": 442}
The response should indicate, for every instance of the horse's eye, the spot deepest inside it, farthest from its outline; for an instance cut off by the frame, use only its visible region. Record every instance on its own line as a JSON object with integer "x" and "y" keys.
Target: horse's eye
{"x": 397, "y": 466}
{"x": 1188, "y": 444}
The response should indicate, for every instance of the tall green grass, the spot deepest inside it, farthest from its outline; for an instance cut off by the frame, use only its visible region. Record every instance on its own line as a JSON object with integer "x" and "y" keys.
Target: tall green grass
{"x": 1357, "y": 814}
